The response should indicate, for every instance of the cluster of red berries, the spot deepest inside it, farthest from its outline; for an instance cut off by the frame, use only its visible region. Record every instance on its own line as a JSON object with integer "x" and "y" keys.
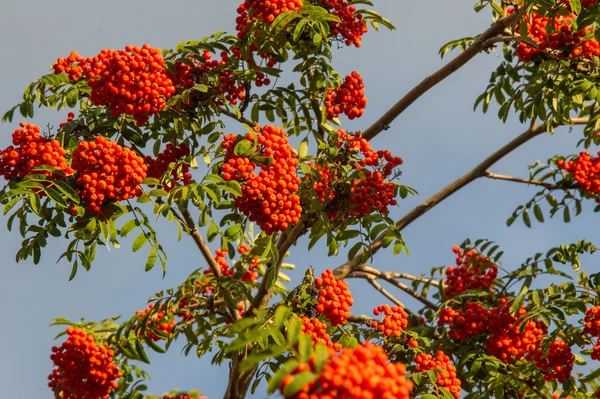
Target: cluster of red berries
{"x": 585, "y": 170}
{"x": 160, "y": 321}
{"x": 464, "y": 324}
{"x": 183, "y": 396}
{"x": 82, "y": 368}
{"x": 507, "y": 342}
{"x": 561, "y": 43}
{"x": 592, "y": 327}
{"x": 269, "y": 198}
{"x": 445, "y": 371}
{"x": 348, "y": 99}
{"x": 318, "y": 332}
{"x": 557, "y": 364}
{"x": 133, "y": 81}
{"x": 343, "y": 376}
{"x": 70, "y": 117}
{"x": 335, "y": 299}
{"x": 30, "y": 149}
{"x": 107, "y": 172}
{"x": 253, "y": 264}
{"x": 180, "y": 173}
{"x": 250, "y": 274}
{"x": 267, "y": 10}
{"x": 394, "y": 322}
{"x": 213, "y": 73}
{"x": 473, "y": 271}
{"x": 352, "y": 26}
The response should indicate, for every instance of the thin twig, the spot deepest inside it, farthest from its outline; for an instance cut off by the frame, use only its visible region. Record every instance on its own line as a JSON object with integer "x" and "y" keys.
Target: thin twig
{"x": 373, "y": 281}
{"x": 430, "y": 81}
{"x": 549, "y": 186}
{"x": 361, "y": 318}
{"x": 240, "y": 118}
{"x": 475, "y": 173}
{"x": 406, "y": 276}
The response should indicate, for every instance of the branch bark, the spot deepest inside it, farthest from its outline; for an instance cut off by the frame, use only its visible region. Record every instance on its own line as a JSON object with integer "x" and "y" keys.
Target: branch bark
{"x": 430, "y": 81}
{"x": 549, "y": 186}
{"x": 475, "y": 173}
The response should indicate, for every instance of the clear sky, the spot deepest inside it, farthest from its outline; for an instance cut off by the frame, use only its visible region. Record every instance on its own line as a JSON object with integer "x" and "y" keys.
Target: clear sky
{"x": 439, "y": 138}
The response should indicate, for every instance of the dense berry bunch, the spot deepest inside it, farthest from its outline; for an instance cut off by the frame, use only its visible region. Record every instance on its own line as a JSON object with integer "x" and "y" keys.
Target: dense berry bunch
{"x": 352, "y": 26}
{"x": 557, "y": 364}
{"x": 394, "y": 322}
{"x": 563, "y": 42}
{"x": 29, "y": 150}
{"x": 464, "y": 324}
{"x": 344, "y": 376}
{"x": 318, "y": 332}
{"x": 250, "y": 275}
{"x": 107, "y": 172}
{"x": 506, "y": 341}
{"x": 180, "y": 173}
{"x": 445, "y": 371}
{"x": 473, "y": 271}
{"x": 133, "y": 81}
{"x": 268, "y": 198}
{"x": 596, "y": 352}
{"x": 183, "y": 396}
{"x": 348, "y": 99}
{"x": 213, "y": 73}
{"x": 585, "y": 170}
{"x": 266, "y": 10}
{"x": 157, "y": 321}
{"x": 592, "y": 321}
{"x": 82, "y": 368}
{"x": 334, "y": 298}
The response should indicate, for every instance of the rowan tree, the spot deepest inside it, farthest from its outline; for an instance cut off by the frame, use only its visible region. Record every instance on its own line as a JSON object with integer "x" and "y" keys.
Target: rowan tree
{"x": 238, "y": 139}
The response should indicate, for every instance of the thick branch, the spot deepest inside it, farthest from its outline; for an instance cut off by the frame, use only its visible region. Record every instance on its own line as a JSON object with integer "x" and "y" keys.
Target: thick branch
{"x": 188, "y": 220}
{"x": 478, "y": 45}
{"x": 475, "y": 173}
{"x": 549, "y": 186}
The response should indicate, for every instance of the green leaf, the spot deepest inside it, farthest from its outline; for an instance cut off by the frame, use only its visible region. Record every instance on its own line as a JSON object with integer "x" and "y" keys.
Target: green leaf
{"x": 244, "y": 148}
{"x": 537, "y": 211}
{"x": 575, "y": 6}
{"x": 139, "y": 242}
{"x": 128, "y": 227}
{"x": 300, "y": 380}
{"x": 293, "y": 331}
{"x": 53, "y": 194}
{"x": 151, "y": 260}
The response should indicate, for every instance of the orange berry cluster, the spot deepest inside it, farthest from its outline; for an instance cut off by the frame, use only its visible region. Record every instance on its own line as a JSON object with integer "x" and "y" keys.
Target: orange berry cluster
{"x": 266, "y": 10}
{"x": 107, "y": 172}
{"x": 29, "y": 150}
{"x": 585, "y": 170}
{"x": 473, "y": 271}
{"x": 269, "y": 198}
{"x": 157, "y": 167}
{"x": 160, "y": 321}
{"x": 223, "y": 82}
{"x": 557, "y": 364}
{"x": 446, "y": 378}
{"x": 394, "y": 322}
{"x": 70, "y": 117}
{"x": 183, "y": 396}
{"x": 250, "y": 275}
{"x": 344, "y": 377}
{"x": 335, "y": 299}
{"x": 562, "y": 43}
{"x": 348, "y": 99}
{"x": 506, "y": 341}
{"x": 82, "y": 368}
{"x": 592, "y": 327}
{"x": 464, "y": 324}
{"x": 133, "y": 81}
{"x": 352, "y": 26}
{"x": 318, "y": 332}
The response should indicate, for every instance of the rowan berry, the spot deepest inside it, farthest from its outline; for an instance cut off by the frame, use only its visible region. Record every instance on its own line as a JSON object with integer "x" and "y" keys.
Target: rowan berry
{"x": 343, "y": 376}
{"x": 268, "y": 198}
{"x": 335, "y": 299}
{"x": 394, "y": 322}
{"x": 464, "y": 324}
{"x": 83, "y": 369}
{"x": 472, "y": 271}
{"x": 159, "y": 165}
{"x": 107, "y": 172}
{"x": 158, "y": 321}
{"x": 557, "y": 363}
{"x": 592, "y": 321}
{"x": 133, "y": 81}
{"x": 29, "y": 150}
{"x": 445, "y": 371}
{"x": 351, "y": 27}
{"x": 506, "y": 341}
{"x": 265, "y": 10}
{"x": 318, "y": 332}
{"x": 585, "y": 170}
{"x": 349, "y": 98}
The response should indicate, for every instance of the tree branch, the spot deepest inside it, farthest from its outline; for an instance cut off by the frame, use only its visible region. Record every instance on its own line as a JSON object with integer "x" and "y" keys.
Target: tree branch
{"x": 430, "y": 81}
{"x": 549, "y": 186}
{"x": 241, "y": 118}
{"x": 373, "y": 281}
{"x": 475, "y": 173}
{"x": 187, "y": 219}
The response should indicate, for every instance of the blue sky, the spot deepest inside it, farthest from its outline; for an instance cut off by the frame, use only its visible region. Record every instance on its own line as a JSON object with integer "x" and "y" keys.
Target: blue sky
{"x": 439, "y": 137}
